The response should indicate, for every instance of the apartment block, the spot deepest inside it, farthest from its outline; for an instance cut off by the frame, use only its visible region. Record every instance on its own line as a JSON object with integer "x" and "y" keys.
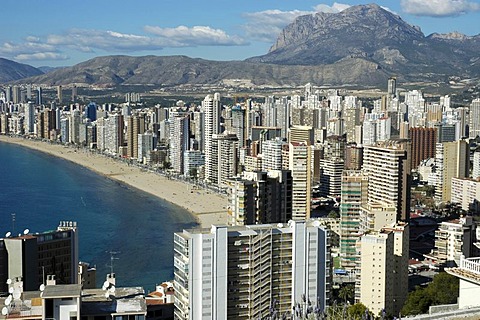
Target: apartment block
{"x": 241, "y": 272}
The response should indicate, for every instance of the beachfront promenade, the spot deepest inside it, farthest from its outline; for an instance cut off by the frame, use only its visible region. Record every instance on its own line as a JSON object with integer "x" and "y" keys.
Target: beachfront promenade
{"x": 208, "y": 206}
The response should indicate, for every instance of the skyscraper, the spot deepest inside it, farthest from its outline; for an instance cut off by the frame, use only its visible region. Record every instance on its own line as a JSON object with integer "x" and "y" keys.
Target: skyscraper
{"x": 423, "y": 144}
{"x": 238, "y": 272}
{"x": 353, "y": 195}
{"x": 382, "y": 278}
{"x": 299, "y": 165}
{"x": 212, "y": 108}
{"x": 179, "y": 140}
{"x": 387, "y": 166}
{"x": 474, "y": 125}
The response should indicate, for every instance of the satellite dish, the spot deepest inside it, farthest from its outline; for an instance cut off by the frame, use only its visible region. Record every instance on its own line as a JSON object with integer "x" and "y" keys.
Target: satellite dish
{"x": 107, "y": 295}
{"x": 106, "y": 284}
{"x": 316, "y": 223}
{"x": 112, "y": 289}
{"x": 42, "y": 287}
{"x": 8, "y": 234}
{"x": 10, "y": 290}
{"x": 26, "y": 231}
{"x": 17, "y": 294}
{"x": 4, "y": 311}
{"x": 9, "y": 281}
{"x": 8, "y": 300}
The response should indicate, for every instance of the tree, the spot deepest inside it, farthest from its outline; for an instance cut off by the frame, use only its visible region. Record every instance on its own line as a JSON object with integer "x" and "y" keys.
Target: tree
{"x": 442, "y": 290}
{"x": 333, "y": 214}
{"x": 347, "y": 293}
{"x": 356, "y": 311}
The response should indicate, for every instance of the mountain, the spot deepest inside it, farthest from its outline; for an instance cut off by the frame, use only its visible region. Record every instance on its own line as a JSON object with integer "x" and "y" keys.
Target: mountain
{"x": 47, "y": 69}
{"x": 11, "y": 71}
{"x": 362, "y": 46}
{"x": 176, "y": 70}
{"x": 374, "y": 34}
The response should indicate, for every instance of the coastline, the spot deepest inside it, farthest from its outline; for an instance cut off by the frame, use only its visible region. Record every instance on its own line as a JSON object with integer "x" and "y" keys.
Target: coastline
{"x": 208, "y": 208}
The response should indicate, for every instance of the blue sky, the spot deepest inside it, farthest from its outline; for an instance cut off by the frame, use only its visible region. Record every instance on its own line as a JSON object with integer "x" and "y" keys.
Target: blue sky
{"x": 62, "y": 32}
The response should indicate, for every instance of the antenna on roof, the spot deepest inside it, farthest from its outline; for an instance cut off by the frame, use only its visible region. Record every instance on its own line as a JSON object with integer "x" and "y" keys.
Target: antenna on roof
{"x": 112, "y": 257}
{"x": 8, "y": 234}
{"x": 26, "y": 231}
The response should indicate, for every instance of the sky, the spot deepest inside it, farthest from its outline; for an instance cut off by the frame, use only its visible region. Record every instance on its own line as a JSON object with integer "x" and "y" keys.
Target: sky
{"x": 64, "y": 33}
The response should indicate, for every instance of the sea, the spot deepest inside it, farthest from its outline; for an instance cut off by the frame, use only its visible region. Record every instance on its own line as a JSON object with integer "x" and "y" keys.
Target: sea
{"x": 118, "y": 225}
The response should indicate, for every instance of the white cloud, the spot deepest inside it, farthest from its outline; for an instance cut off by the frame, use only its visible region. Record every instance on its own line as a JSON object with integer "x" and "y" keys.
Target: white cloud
{"x": 40, "y": 56}
{"x": 195, "y": 36}
{"x": 267, "y": 25}
{"x": 335, "y": 8}
{"x": 439, "y": 8}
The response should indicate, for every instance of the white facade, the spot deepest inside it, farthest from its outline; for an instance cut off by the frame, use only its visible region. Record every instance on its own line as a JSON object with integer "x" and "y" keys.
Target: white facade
{"x": 237, "y": 272}
{"x": 474, "y": 129}
{"x": 212, "y": 108}
{"x": 272, "y": 154}
{"x": 299, "y": 165}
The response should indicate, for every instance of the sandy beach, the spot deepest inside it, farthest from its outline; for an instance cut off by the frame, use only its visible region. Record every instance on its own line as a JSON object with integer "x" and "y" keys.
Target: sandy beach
{"x": 207, "y": 207}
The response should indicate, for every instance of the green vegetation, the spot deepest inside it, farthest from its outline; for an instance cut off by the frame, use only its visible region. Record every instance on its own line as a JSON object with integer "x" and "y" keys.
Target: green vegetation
{"x": 442, "y": 290}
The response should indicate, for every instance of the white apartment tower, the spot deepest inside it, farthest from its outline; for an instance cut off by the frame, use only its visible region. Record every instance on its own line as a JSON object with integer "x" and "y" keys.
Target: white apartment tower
{"x": 179, "y": 140}
{"x": 382, "y": 275}
{"x": 272, "y": 154}
{"x": 474, "y": 128}
{"x": 241, "y": 272}
{"x": 212, "y": 109}
{"x": 300, "y": 155}
{"x": 29, "y": 122}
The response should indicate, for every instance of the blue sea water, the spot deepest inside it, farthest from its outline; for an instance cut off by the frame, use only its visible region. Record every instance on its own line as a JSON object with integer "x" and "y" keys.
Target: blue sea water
{"x": 43, "y": 190}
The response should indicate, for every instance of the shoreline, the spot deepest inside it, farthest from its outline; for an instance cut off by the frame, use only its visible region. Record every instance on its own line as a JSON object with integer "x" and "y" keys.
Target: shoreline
{"x": 205, "y": 206}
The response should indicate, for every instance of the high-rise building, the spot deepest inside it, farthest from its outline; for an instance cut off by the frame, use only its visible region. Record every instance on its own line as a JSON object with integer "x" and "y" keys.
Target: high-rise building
{"x": 223, "y": 158}
{"x": 91, "y": 111}
{"x": 353, "y": 194}
{"x": 135, "y": 126}
{"x": 476, "y": 165}
{"x": 467, "y": 193}
{"x": 113, "y": 132}
{"x": 387, "y": 166}
{"x": 59, "y": 94}
{"x": 382, "y": 276}
{"x": 299, "y": 165}
{"x": 451, "y": 160}
{"x": 145, "y": 147}
{"x": 301, "y": 134}
{"x": 33, "y": 256}
{"x": 75, "y": 121}
{"x": 453, "y": 239}
{"x": 212, "y": 109}
{"x": 474, "y": 125}
{"x": 260, "y": 197}
{"x": 179, "y": 140}
{"x": 193, "y": 160}
{"x": 423, "y": 144}
{"x": 39, "y": 96}
{"x": 29, "y": 117}
{"x": 331, "y": 176}
{"x": 272, "y": 154}
{"x": 238, "y": 125}
{"x": 242, "y": 272}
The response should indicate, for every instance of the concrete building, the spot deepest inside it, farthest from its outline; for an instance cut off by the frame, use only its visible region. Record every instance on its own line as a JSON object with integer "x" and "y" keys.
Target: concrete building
{"x": 272, "y": 154}
{"x": 476, "y": 165}
{"x": 179, "y": 140}
{"x": 382, "y": 275}
{"x": 260, "y": 197}
{"x": 423, "y": 144}
{"x": 353, "y": 194}
{"x": 452, "y": 160}
{"x": 299, "y": 165}
{"x": 467, "y": 193}
{"x": 212, "y": 110}
{"x": 238, "y": 272}
{"x": 223, "y": 159}
{"x": 135, "y": 126}
{"x": 474, "y": 124}
{"x": 113, "y": 133}
{"x": 331, "y": 176}
{"x": 387, "y": 166}
{"x": 31, "y": 257}
{"x": 454, "y": 239}
{"x": 193, "y": 159}
{"x": 468, "y": 272}
{"x": 145, "y": 147}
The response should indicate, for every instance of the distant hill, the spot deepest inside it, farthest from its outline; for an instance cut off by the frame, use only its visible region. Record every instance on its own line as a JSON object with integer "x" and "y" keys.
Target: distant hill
{"x": 11, "y": 71}
{"x": 47, "y": 69}
{"x": 175, "y": 70}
